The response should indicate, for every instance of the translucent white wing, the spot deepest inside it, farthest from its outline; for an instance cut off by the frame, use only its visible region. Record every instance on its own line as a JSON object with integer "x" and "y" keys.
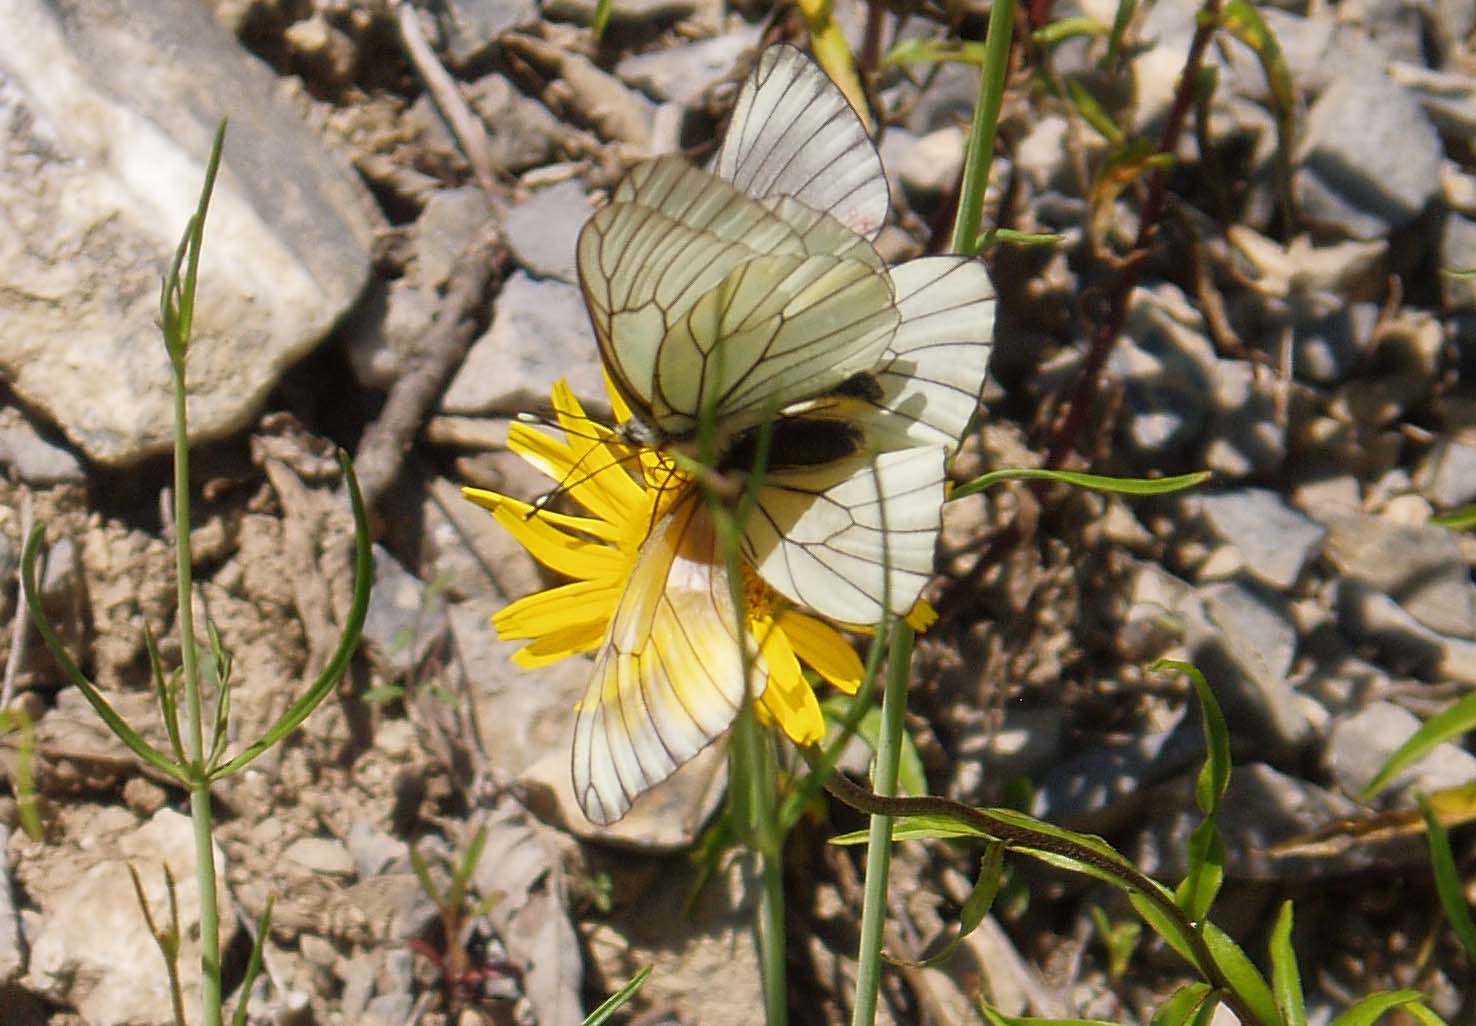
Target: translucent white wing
{"x": 701, "y": 294}
{"x": 840, "y": 536}
{"x": 669, "y": 678}
{"x": 794, "y": 134}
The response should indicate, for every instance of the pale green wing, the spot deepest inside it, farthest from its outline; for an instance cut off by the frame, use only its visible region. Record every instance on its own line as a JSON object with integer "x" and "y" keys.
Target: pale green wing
{"x": 794, "y": 134}
{"x": 668, "y": 680}
{"x": 702, "y": 297}
{"x": 842, "y": 537}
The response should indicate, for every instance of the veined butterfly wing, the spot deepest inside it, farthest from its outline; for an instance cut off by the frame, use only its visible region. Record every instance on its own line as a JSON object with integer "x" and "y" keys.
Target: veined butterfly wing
{"x": 793, "y": 133}
{"x": 704, "y": 298}
{"x": 845, "y": 537}
{"x": 668, "y": 679}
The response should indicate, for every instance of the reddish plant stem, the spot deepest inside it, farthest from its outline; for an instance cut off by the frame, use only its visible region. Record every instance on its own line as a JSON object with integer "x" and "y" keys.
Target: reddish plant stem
{"x": 1072, "y": 418}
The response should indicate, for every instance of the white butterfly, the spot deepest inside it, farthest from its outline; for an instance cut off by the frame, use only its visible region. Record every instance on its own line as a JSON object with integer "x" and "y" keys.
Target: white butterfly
{"x": 751, "y": 294}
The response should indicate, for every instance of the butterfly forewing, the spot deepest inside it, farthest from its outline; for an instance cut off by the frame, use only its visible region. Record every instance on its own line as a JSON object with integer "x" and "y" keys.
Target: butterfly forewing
{"x": 668, "y": 679}
{"x": 794, "y": 134}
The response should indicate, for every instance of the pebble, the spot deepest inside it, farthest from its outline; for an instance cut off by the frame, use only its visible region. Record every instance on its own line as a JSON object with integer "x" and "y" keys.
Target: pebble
{"x": 928, "y": 165}
{"x": 388, "y": 333}
{"x": 373, "y": 850}
{"x": 1369, "y": 617}
{"x": 324, "y": 855}
{"x": 12, "y": 958}
{"x": 1167, "y": 368}
{"x": 1449, "y": 99}
{"x": 452, "y": 218}
{"x": 1359, "y": 745}
{"x": 543, "y": 231}
{"x": 1107, "y": 787}
{"x": 1275, "y": 539}
{"x": 1335, "y": 184}
{"x": 1244, "y": 438}
{"x": 540, "y": 333}
{"x": 521, "y": 132}
{"x": 1447, "y": 477}
{"x": 474, "y": 27}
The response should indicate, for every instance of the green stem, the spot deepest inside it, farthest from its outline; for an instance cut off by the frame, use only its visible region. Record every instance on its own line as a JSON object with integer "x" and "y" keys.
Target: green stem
{"x": 753, "y": 757}
{"x": 965, "y": 241}
{"x": 200, "y": 816}
{"x": 879, "y": 845}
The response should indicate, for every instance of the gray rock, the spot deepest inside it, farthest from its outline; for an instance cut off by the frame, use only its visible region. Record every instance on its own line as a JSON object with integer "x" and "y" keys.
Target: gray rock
{"x": 1329, "y": 337}
{"x": 388, "y": 332}
{"x": 1449, "y": 98}
{"x": 1455, "y": 20}
{"x": 30, "y": 457}
{"x": 928, "y": 165}
{"x": 1421, "y": 568}
{"x": 1458, "y": 253}
{"x": 1369, "y": 617}
{"x": 1367, "y": 191}
{"x": 109, "y": 112}
{"x": 1244, "y": 438}
{"x": 375, "y": 851}
{"x": 1243, "y": 641}
{"x": 474, "y": 26}
{"x": 522, "y": 133}
{"x": 452, "y": 218}
{"x": 406, "y": 620}
{"x": 1107, "y": 787}
{"x": 1275, "y": 540}
{"x": 543, "y": 231}
{"x": 1167, "y": 367}
{"x": 92, "y": 950}
{"x": 948, "y": 100}
{"x": 1359, "y": 745}
{"x": 1397, "y": 27}
{"x": 325, "y": 855}
{"x": 12, "y": 956}
{"x": 1448, "y": 475}
{"x": 540, "y": 332}
{"x": 681, "y": 74}
{"x": 1041, "y": 155}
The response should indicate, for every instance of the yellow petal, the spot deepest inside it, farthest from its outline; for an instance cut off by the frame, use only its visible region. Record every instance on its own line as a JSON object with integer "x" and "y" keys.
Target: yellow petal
{"x": 922, "y": 616}
{"x": 788, "y": 700}
{"x": 556, "y": 609}
{"x": 562, "y": 643}
{"x": 823, "y": 648}
{"x": 560, "y": 551}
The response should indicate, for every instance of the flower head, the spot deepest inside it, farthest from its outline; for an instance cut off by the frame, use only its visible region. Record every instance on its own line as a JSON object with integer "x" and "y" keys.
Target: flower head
{"x": 650, "y": 595}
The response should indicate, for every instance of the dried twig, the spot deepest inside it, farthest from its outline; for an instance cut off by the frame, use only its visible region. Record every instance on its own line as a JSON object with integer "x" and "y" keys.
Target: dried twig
{"x": 383, "y": 447}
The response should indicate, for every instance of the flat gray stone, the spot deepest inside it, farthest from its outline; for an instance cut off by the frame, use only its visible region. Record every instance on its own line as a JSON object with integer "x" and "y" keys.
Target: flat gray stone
{"x": 681, "y": 74}
{"x": 109, "y": 110}
{"x": 1360, "y": 744}
{"x": 1366, "y": 190}
{"x": 12, "y": 957}
{"x": 405, "y": 621}
{"x": 1243, "y": 641}
{"x": 1244, "y": 438}
{"x": 543, "y": 231}
{"x": 1369, "y": 617}
{"x": 1448, "y": 476}
{"x": 1458, "y": 253}
{"x": 540, "y": 333}
{"x": 1167, "y": 368}
{"x": 1275, "y": 540}
{"x": 1421, "y": 568}
{"x": 474, "y": 26}
{"x": 31, "y": 457}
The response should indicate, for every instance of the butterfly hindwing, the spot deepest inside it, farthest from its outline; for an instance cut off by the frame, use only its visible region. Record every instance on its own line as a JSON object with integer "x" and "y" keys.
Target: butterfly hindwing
{"x": 668, "y": 679}
{"x": 794, "y": 134}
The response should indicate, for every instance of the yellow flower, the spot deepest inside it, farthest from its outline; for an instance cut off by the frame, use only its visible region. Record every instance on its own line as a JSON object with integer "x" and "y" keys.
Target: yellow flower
{"x": 649, "y": 593}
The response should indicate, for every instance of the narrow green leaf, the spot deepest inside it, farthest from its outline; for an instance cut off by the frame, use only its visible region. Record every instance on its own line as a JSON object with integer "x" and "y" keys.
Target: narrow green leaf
{"x": 1247, "y": 980}
{"x": 1448, "y": 883}
{"x": 1095, "y": 482}
{"x": 1184, "y": 1006}
{"x": 1010, "y": 237}
{"x": 1059, "y": 31}
{"x": 910, "y": 773}
{"x": 997, "y": 1018}
{"x": 1374, "y": 1007}
{"x": 465, "y": 867}
{"x": 1214, "y": 776}
{"x": 423, "y": 874}
{"x": 935, "y": 51}
{"x": 1196, "y": 894}
{"x": 1170, "y": 930}
{"x": 1461, "y": 273}
{"x": 603, "y": 9}
{"x": 1125, "y": 11}
{"x": 119, "y": 726}
{"x": 1092, "y": 112}
{"x": 975, "y": 908}
{"x": 1458, "y": 719}
{"x": 348, "y": 640}
{"x": 1425, "y": 1014}
{"x": 615, "y": 1001}
{"x": 1119, "y": 940}
{"x": 1457, "y": 519}
{"x": 1286, "y": 978}
{"x": 253, "y": 963}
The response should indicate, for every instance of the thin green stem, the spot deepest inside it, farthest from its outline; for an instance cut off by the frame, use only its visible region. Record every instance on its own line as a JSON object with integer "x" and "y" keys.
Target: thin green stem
{"x": 879, "y": 845}
{"x": 980, "y": 156}
{"x": 753, "y": 759}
